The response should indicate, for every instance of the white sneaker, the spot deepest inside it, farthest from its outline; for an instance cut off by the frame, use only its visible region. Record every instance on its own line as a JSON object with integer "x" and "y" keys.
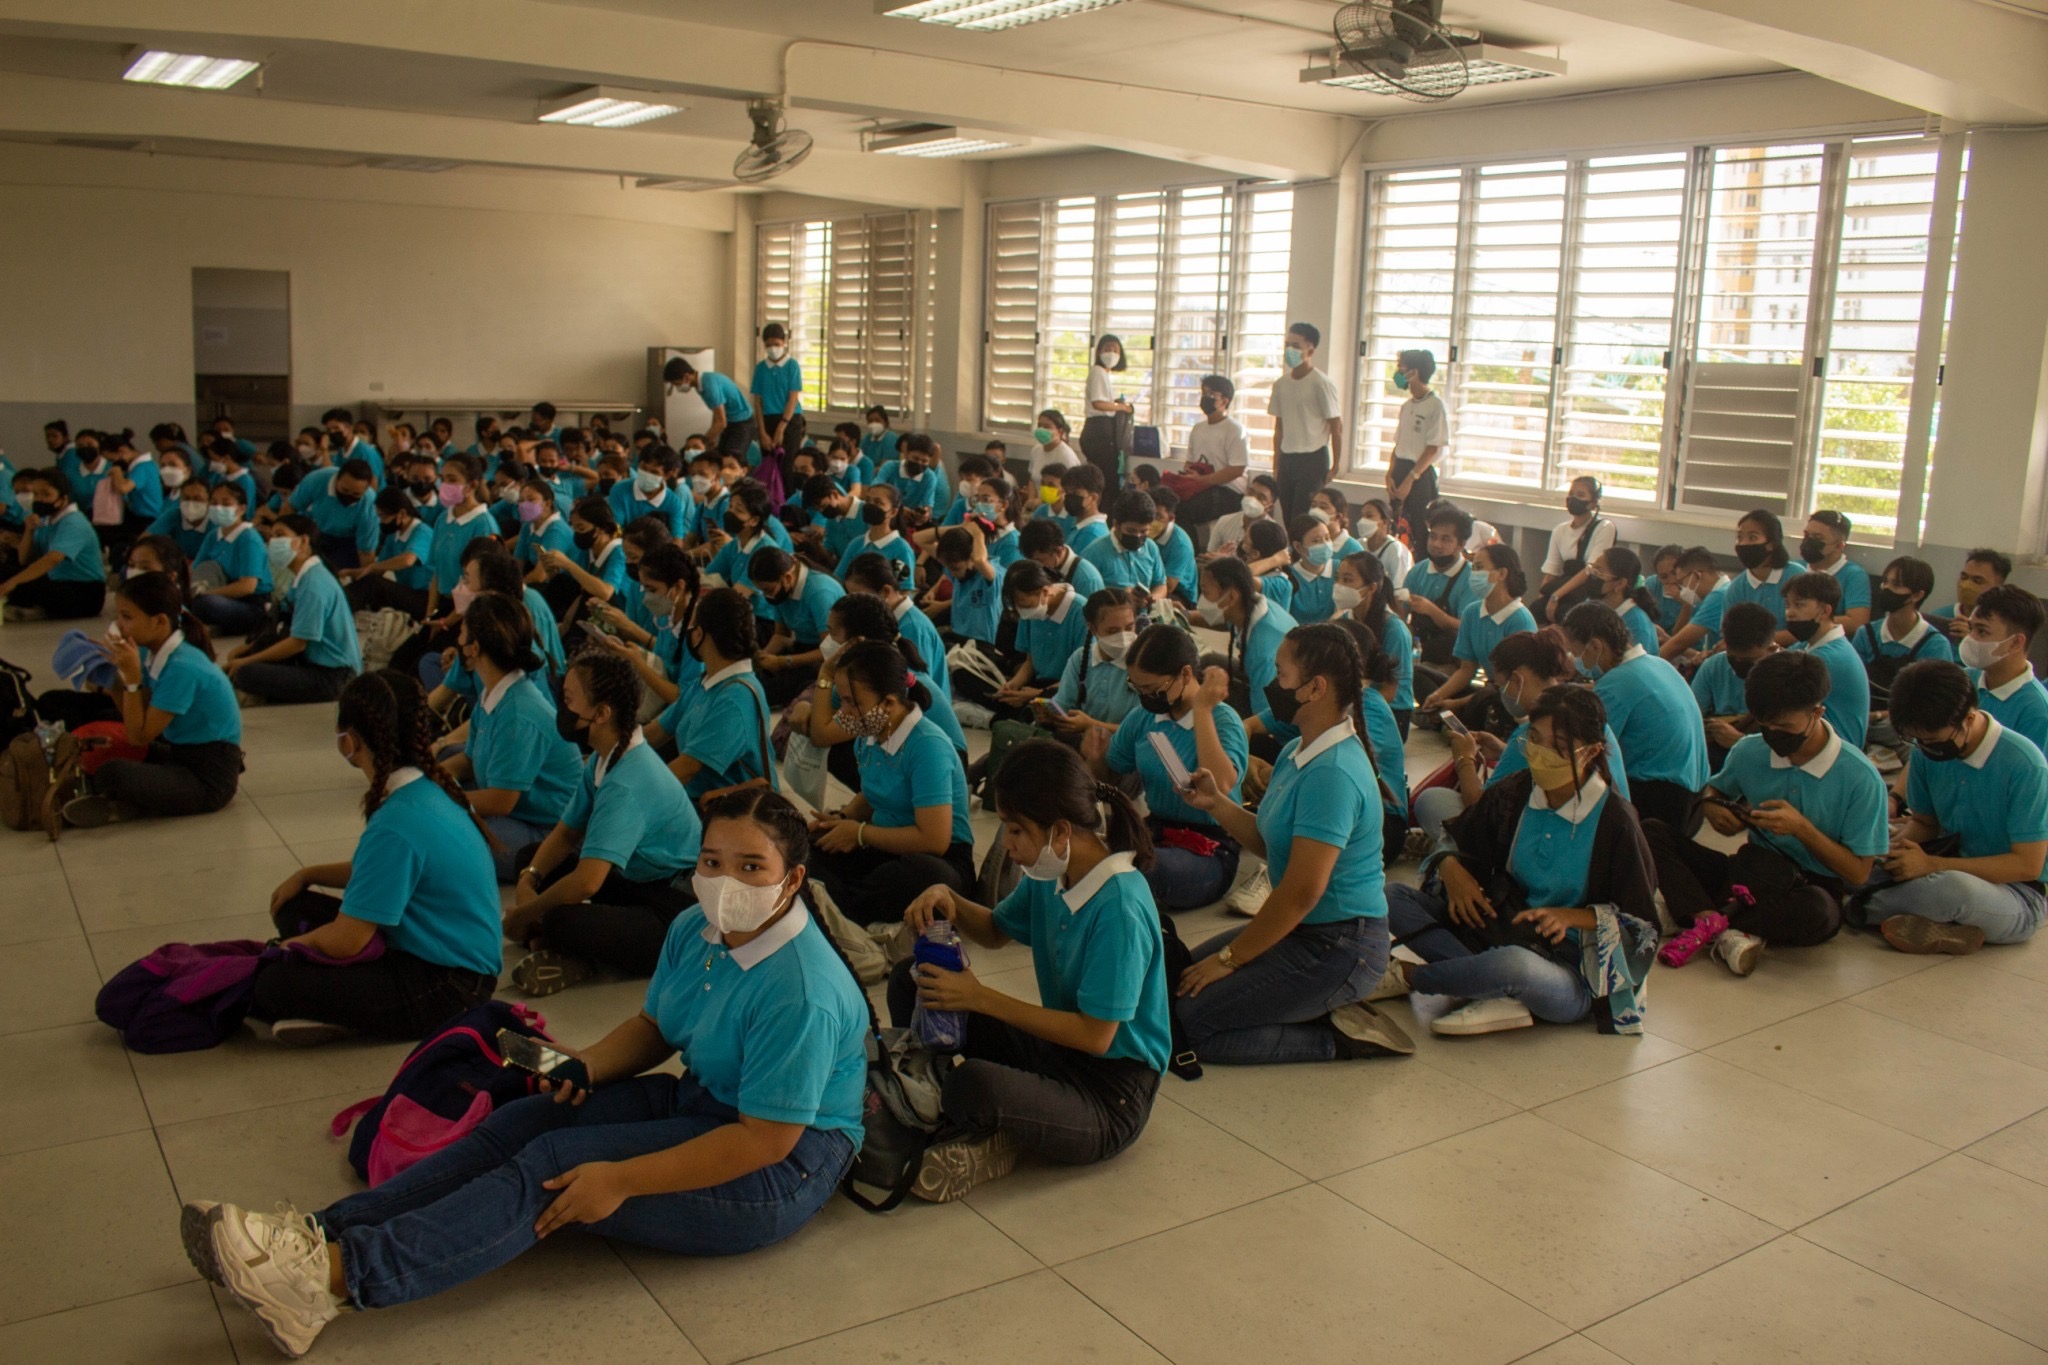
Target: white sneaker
{"x": 1484, "y": 1016}
{"x": 1250, "y": 895}
{"x": 306, "y": 1033}
{"x": 951, "y": 1169}
{"x": 1393, "y": 983}
{"x": 276, "y": 1267}
{"x": 973, "y": 716}
{"x": 1739, "y": 952}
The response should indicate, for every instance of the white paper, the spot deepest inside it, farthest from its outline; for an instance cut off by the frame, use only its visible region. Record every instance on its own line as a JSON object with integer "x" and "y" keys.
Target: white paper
{"x": 1168, "y": 755}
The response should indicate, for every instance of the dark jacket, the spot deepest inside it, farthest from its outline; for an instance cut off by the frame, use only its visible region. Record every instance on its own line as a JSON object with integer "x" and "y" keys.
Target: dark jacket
{"x": 1621, "y": 873}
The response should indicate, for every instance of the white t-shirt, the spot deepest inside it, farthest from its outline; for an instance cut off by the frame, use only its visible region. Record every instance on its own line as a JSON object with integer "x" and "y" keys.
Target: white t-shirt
{"x": 1101, "y": 389}
{"x": 1061, "y": 454}
{"x": 1304, "y": 407}
{"x": 1422, "y": 425}
{"x": 1397, "y": 559}
{"x": 1228, "y": 529}
{"x": 1223, "y": 445}
{"x": 1564, "y": 544}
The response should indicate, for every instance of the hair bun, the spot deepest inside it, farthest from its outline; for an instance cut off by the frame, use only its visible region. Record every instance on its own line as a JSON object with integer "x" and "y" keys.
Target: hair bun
{"x": 1105, "y": 793}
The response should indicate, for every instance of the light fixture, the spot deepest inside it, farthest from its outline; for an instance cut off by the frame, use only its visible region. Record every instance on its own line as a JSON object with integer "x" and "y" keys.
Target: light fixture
{"x": 602, "y": 106}
{"x": 1485, "y": 64}
{"x": 933, "y": 140}
{"x": 679, "y": 184}
{"x": 187, "y": 69}
{"x": 987, "y": 16}
{"x": 426, "y": 165}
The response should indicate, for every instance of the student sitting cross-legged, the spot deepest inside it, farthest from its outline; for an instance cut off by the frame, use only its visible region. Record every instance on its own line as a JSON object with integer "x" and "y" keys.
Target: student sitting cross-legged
{"x": 1070, "y": 1079}
{"x": 1653, "y": 713}
{"x": 738, "y": 1153}
{"x": 1810, "y": 603}
{"x": 1966, "y": 870}
{"x": 319, "y": 653}
{"x": 1812, "y": 808}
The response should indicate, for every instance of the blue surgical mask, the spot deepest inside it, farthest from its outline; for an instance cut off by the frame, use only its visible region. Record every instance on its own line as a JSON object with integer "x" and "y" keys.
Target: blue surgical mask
{"x": 1319, "y": 555}
{"x": 281, "y": 553}
{"x": 986, "y": 509}
{"x": 1591, "y": 672}
{"x": 223, "y": 516}
{"x": 1294, "y": 357}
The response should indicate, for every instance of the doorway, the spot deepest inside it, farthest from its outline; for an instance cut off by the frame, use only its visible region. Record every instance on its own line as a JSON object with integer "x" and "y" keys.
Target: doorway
{"x": 242, "y": 350}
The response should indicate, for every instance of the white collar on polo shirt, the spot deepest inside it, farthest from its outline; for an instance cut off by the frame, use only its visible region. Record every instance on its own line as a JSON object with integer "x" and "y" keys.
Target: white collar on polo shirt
{"x": 902, "y": 732}
{"x": 402, "y": 777}
{"x": 1322, "y": 743}
{"x": 1579, "y": 807}
{"x": 1083, "y": 891}
{"x": 497, "y": 694}
{"x": 1818, "y": 765}
{"x": 1066, "y": 605}
{"x": 762, "y": 946}
{"x": 1992, "y": 730}
{"x": 1826, "y": 637}
{"x": 1910, "y": 638}
{"x": 2005, "y": 689}
{"x": 1634, "y": 652}
{"x": 604, "y": 761}
{"x": 163, "y": 655}
{"x": 1776, "y": 574}
{"x": 729, "y": 671}
{"x": 1499, "y": 616}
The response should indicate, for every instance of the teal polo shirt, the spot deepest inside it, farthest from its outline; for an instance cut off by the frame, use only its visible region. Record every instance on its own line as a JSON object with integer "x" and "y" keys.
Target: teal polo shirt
{"x": 1716, "y": 688}
{"x": 1479, "y": 630}
{"x": 1514, "y": 758}
{"x": 634, "y": 815}
{"x": 775, "y": 1028}
{"x": 718, "y": 392}
{"x": 804, "y": 610}
{"x": 551, "y": 532}
{"x": 416, "y": 540}
{"x": 1130, "y": 750}
{"x": 977, "y": 605}
{"x": 1453, "y": 591}
{"x": 515, "y": 747}
{"x": 1258, "y": 650}
{"x": 610, "y": 569}
{"x": 1121, "y": 568}
{"x": 71, "y": 535}
{"x": 1855, "y": 581}
{"x": 146, "y": 499}
{"x": 1838, "y": 789}
{"x": 1177, "y": 558}
{"x": 843, "y": 530}
{"x": 321, "y": 616}
{"x": 774, "y": 383}
{"x": 1848, "y": 703}
{"x": 1397, "y": 642}
{"x": 193, "y": 691}
{"x": 444, "y": 556}
{"x": 1553, "y": 849}
{"x": 1085, "y": 534}
{"x": 1924, "y": 641}
{"x": 1768, "y": 593}
{"x": 422, "y": 873}
{"x": 628, "y": 506}
{"x": 1994, "y": 799}
{"x": 917, "y": 628}
{"x": 927, "y": 488}
{"x": 1052, "y": 640}
{"x": 1097, "y": 950}
{"x": 1707, "y": 615}
{"x": 723, "y": 723}
{"x": 1641, "y": 628}
{"x": 2020, "y": 705}
{"x": 547, "y": 636}
{"x": 914, "y": 768}
{"x": 1279, "y": 590}
{"x": 1105, "y": 693}
{"x": 892, "y": 546}
{"x": 1327, "y": 792}
{"x": 1653, "y": 712}
{"x": 1389, "y": 755}
{"x": 353, "y": 521}
{"x": 1313, "y": 593}
{"x": 241, "y": 553}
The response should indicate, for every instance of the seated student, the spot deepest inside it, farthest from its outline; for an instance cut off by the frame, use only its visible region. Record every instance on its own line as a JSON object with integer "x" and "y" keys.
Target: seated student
{"x": 1044, "y": 503}
{"x": 1760, "y": 545}
{"x": 804, "y": 464}
{"x": 1290, "y": 985}
{"x": 746, "y": 525}
{"x": 1617, "y": 579}
{"x": 1542, "y": 862}
{"x": 421, "y": 874}
{"x": 1484, "y": 623}
{"x": 1052, "y": 451}
{"x": 1525, "y": 667}
{"x": 1575, "y": 544}
{"x": 875, "y": 574}
{"x": 975, "y": 608}
{"x": 1070, "y": 1078}
{"x": 241, "y": 567}
{"x": 1825, "y": 549}
{"x": 1703, "y": 600}
{"x": 602, "y": 888}
{"x": 1663, "y": 584}
{"x": 1126, "y": 557}
{"x": 397, "y": 578}
{"x": 225, "y": 464}
{"x": 1144, "y": 477}
{"x": 1810, "y": 602}
{"x": 1375, "y": 529}
{"x": 799, "y": 597}
{"x": 1229, "y": 600}
{"x": 1981, "y": 791}
{"x": 62, "y": 575}
{"x": 856, "y": 617}
{"x": 849, "y": 468}
{"x": 1382, "y": 735}
{"x": 835, "y": 520}
{"x": 2003, "y": 627}
{"x": 1176, "y": 550}
{"x": 708, "y": 495}
{"x": 1329, "y": 506}
{"x": 1441, "y": 586}
{"x": 1095, "y": 690}
{"x": 974, "y": 470}
{"x": 1899, "y": 636}
{"x": 160, "y": 554}
{"x": 174, "y": 702}
{"x": 1365, "y": 594}
{"x": 542, "y": 528}
{"x": 651, "y": 632}
{"x": 184, "y": 516}
{"x": 650, "y": 493}
{"x": 719, "y": 722}
{"x": 1663, "y": 738}
{"x": 1042, "y": 540}
{"x": 1750, "y": 633}
{"x": 464, "y": 518}
{"x": 138, "y": 480}
{"x": 487, "y": 566}
{"x": 916, "y": 473}
{"x": 594, "y": 570}
{"x": 320, "y": 654}
{"x": 83, "y": 465}
{"x": 1982, "y": 569}
{"x": 1084, "y": 522}
{"x": 879, "y": 535}
{"x": 738, "y": 1152}
{"x": 338, "y": 502}
{"x": 1312, "y": 575}
{"x": 518, "y": 770}
{"x": 1051, "y": 625}
{"x": 1266, "y": 549}
{"x": 1812, "y": 816}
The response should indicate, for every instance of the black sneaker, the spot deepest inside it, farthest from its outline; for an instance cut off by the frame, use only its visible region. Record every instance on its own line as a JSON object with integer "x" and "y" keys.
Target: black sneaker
{"x": 90, "y": 812}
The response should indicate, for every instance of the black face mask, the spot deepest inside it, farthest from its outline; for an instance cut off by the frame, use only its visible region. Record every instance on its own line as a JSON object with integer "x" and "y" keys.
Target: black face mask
{"x": 1813, "y": 549}
{"x": 1740, "y": 667}
{"x": 1076, "y": 504}
{"x": 390, "y": 527}
{"x": 1753, "y": 556}
{"x": 1939, "y": 750}
{"x": 1802, "y": 631}
{"x": 348, "y": 499}
{"x": 1578, "y": 507}
{"x": 874, "y": 514}
{"x": 1158, "y": 703}
{"x": 1889, "y": 600}
{"x": 733, "y": 525}
{"x": 43, "y": 510}
{"x": 569, "y": 725}
{"x": 585, "y": 539}
{"x": 1444, "y": 562}
{"x": 1208, "y": 405}
{"x": 1282, "y": 702}
{"x": 422, "y": 488}
{"x": 606, "y": 482}
{"x": 1131, "y": 542}
{"x": 1785, "y": 745}
{"x": 913, "y": 468}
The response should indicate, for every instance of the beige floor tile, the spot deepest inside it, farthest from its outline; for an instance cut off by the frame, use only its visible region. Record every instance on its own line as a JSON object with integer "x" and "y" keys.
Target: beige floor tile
{"x": 259, "y": 1157}
{"x": 86, "y": 1222}
{"x": 1959, "y": 1231}
{"x": 569, "y": 1299}
{"x": 1573, "y": 1351}
{"x": 2029, "y": 959}
{"x": 1028, "y": 1321}
{"x": 317, "y": 851}
{"x": 1984, "y": 1007}
{"x": 1839, "y": 968}
{"x": 1302, "y": 1277}
{"x": 50, "y": 983}
{"x": 176, "y": 1326}
{"x": 1792, "y": 1301}
{"x": 246, "y": 1073}
{"x": 1324, "y": 1119}
{"x": 2021, "y": 1149}
{"x": 236, "y": 826}
{"x": 1762, "y": 1147}
{"x": 1703, "y": 1004}
{"x": 36, "y": 906}
{"x": 1182, "y": 1168}
{"x": 314, "y": 816}
{"x": 1533, "y": 1066}
{"x": 67, "y": 1085}
{"x": 119, "y": 892}
{"x": 1493, "y": 1200}
{"x": 26, "y": 852}
{"x": 582, "y": 1014}
{"x": 853, "y": 1267}
{"x": 1854, "y": 1058}
{"x": 117, "y": 948}
{"x": 275, "y": 771}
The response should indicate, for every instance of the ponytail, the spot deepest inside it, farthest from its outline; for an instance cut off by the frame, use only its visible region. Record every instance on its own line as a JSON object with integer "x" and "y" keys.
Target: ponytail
{"x": 1043, "y": 781}
{"x": 1626, "y": 565}
{"x": 158, "y": 594}
{"x": 387, "y": 710}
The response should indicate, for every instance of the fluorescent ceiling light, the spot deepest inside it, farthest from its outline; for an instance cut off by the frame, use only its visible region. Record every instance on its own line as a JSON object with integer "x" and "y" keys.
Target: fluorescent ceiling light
{"x": 187, "y": 69}
{"x": 987, "y": 16}
{"x": 1485, "y": 64}
{"x": 934, "y": 141}
{"x": 601, "y": 106}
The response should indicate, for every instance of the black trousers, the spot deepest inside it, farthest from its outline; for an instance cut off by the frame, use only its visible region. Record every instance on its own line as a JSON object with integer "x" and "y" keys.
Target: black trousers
{"x": 737, "y": 436}
{"x": 1416, "y": 503}
{"x": 340, "y": 552}
{"x": 397, "y": 996}
{"x": 61, "y": 599}
{"x": 293, "y": 680}
{"x": 377, "y": 592}
{"x": 1060, "y": 1103}
{"x": 1300, "y": 473}
{"x": 1676, "y": 806}
{"x": 873, "y": 887}
{"x": 1786, "y": 904}
{"x": 1099, "y": 448}
{"x": 176, "y": 779}
{"x": 785, "y": 685}
{"x": 622, "y": 927}
{"x": 1202, "y": 510}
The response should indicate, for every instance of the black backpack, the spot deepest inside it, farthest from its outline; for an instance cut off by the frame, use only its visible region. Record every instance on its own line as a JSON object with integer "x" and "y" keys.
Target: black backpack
{"x": 17, "y": 703}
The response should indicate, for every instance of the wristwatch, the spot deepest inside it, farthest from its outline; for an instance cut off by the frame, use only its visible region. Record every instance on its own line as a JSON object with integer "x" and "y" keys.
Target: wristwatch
{"x": 1224, "y": 957}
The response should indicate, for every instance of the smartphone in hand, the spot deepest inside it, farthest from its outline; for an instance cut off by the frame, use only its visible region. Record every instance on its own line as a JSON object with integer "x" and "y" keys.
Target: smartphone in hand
{"x": 552, "y": 1064}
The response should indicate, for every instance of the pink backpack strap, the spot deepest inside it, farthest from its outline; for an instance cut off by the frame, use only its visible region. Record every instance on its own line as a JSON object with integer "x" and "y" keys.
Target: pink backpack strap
{"x": 342, "y": 1122}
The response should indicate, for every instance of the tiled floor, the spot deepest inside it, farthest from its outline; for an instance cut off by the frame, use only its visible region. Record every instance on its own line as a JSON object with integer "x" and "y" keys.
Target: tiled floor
{"x": 1844, "y": 1158}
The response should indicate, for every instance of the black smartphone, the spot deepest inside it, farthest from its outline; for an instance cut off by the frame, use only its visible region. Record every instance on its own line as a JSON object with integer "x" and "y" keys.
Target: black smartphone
{"x": 531, "y": 1054}
{"x": 1736, "y": 804}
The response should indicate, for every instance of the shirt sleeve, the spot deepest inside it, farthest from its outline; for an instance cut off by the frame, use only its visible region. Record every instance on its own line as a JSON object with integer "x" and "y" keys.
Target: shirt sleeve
{"x": 518, "y": 751}
{"x": 931, "y": 775}
{"x": 1866, "y": 831}
{"x": 1013, "y": 913}
{"x": 577, "y": 814}
{"x": 1068, "y": 694}
{"x": 618, "y": 825}
{"x": 1437, "y": 433}
{"x": 1115, "y": 965}
{"x": 1467, "y": 646}
{"x": 1123, "y": 745}
{"x": 2026, "y": 804}
{"x": 381, "y": 877}
{"x": 174, "y": 691}
{"x": 1553, "y": 561}
{"x": 786, "y": 1061}
{"x": 725, "y": 732}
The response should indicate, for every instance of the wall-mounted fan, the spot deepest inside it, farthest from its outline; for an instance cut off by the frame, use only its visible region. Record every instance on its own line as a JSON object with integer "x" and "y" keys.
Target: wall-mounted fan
{"x": 1402, "y": 47}
{"x": 774, "y": 149}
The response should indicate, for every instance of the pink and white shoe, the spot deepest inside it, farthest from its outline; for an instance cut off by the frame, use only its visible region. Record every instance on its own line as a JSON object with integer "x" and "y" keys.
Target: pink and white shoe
{"x": 1706, "y": 927}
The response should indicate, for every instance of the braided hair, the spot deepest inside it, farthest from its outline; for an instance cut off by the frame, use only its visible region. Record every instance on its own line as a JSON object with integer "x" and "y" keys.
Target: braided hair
{"x": 387, "y": 710}
{"x": 1051, "y": 783}
{"x": 158, "y": 594}
{"x": 1328, "y": 649}
{"x": 610, "y": 681}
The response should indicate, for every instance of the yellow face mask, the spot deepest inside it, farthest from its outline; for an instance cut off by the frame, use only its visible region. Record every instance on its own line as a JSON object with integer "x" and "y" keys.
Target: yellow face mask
{"x": 1966, "y": 596}
{"x": 1547, "y": 766}
{"x": 1048, "y": 495}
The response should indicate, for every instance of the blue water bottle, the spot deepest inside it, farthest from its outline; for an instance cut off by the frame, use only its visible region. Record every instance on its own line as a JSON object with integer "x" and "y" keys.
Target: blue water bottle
{"x": 940, "y": 1030}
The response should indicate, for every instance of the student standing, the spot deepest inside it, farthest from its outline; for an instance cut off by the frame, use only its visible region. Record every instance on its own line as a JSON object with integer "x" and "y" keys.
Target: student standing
{"x": 2003, "y": 627}
{"x": 778, "y": 391}
{"x": 732, "y": 428}
{"x": 1109, "y": 412}
{"x": 320, "y": 654}
{"x": 1308, "y": 423}
{"x": 63, "y": 576}
{"x": 1574, "y": 544}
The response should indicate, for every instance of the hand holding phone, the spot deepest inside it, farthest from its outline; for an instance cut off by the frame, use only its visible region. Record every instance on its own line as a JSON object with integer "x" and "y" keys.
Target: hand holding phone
{"x": 1452, "y": 723}
{"x": 548, "y": 1063}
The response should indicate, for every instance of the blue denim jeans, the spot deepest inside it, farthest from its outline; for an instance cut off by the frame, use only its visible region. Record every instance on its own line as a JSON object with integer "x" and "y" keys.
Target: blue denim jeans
{"x": 1181, "y": 880}
{"x": 1551, "y": 991}
{"x": 2006, "y": 914}
{"x": 1273, "y": 1008}
{"x": 471, "y": 1208}
{"x": 514, "y": 836}
{"x": 1435, "y": 808}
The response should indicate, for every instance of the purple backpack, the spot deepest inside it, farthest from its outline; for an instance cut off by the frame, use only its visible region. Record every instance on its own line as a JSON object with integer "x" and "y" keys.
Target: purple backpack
{"x": 187, "y": 996}
{"x": 447, "y": 1086}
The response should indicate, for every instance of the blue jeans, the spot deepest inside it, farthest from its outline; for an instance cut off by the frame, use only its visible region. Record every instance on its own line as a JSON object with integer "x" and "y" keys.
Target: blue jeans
{"x": 1274, "y": 1008}
{"x": 470, "y": 1208}
{"x": 1181, "y": 880}
{"x": 2006, "y": 913}
{"x": 514, "y": 836}
{"x": 231, "y": 615}
{"x": 1417, "y": 921}
{"x": 1435, "y": 808}
{"x": 1550, "y": 990}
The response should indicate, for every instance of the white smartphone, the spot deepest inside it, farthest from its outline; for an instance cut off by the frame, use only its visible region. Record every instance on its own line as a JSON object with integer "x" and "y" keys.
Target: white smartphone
{"x": 1176, "y": 771}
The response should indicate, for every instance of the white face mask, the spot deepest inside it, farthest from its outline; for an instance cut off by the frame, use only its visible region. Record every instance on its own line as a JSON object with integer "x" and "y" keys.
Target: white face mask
{"x": 776, "y": 352}
{"x": 838, "y": 467}
{"x": 732, "y": 906}
{"x": 1980, "y": 654}
{"x": 876, "y": 429}
{"x": 1211, "y": 614}
{"x": 1689, "y": 597}
{"x": 192, "y": 513}
{"x": 1344, "y": 597}
{"x": 1117, "y": 645}
{"x": 828, "y": 648}
{"x": 1037, "y": 613}
{"x": 1048, "y": 866}
{"x": 1252, "y": 508}
{"x": 172, "y": 476}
